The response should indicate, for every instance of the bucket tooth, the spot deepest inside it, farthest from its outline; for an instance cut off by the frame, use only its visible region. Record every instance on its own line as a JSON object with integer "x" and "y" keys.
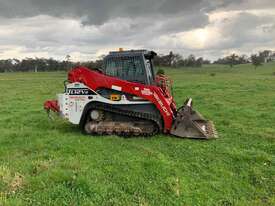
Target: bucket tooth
{"x": 191, "y": 124}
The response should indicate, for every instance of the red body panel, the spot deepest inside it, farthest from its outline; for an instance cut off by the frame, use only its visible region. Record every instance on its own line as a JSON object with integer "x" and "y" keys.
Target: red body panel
{"x": 162, "y": 99}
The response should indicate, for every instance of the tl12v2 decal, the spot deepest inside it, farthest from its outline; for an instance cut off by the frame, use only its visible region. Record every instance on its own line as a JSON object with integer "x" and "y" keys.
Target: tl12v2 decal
{"x": 80, "y": 91}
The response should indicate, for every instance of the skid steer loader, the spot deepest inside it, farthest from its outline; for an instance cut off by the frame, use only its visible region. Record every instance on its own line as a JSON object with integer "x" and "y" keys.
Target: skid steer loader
{"x": 125, "y": 97}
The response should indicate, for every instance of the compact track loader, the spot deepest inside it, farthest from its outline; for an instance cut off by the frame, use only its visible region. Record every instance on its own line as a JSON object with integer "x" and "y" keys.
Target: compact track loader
{"x": 125, "y": 97}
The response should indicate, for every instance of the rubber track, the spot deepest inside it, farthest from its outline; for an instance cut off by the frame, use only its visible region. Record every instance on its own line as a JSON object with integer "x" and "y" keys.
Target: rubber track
{"x": 147, "y": 116}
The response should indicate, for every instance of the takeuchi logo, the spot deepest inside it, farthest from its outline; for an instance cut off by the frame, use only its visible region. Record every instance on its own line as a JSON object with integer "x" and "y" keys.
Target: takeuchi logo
{"x": 161, "y": 104}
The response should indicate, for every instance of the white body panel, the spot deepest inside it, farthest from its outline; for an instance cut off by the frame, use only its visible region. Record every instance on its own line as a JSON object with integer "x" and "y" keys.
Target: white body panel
{"x": 73, "y": 102}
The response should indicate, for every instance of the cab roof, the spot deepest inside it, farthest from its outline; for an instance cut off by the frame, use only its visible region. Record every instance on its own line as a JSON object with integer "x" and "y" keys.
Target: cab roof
{"x": 132, "y": 53}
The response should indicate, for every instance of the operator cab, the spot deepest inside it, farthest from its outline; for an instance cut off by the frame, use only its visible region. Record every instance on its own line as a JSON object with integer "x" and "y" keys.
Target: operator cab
{"x": 133, "y": 66}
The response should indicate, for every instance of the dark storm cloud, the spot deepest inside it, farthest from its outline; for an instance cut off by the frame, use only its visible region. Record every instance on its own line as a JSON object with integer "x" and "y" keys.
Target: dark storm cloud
{"x": 98, "y": 12}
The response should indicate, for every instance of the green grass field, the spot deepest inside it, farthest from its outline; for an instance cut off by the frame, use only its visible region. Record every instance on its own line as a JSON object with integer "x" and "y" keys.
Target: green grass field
{"x": 45, "y": 162}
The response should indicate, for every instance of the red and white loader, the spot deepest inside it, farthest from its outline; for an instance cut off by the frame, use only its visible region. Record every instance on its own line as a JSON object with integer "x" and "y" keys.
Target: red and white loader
{"x": 126, "y": 98}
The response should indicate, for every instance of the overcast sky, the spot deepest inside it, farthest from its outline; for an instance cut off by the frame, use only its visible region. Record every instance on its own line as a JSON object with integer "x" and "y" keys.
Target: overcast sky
{"x": 86, "y": 29}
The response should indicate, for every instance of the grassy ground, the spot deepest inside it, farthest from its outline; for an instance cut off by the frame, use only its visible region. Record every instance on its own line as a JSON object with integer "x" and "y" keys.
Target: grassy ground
{"x": 51, "y": 163}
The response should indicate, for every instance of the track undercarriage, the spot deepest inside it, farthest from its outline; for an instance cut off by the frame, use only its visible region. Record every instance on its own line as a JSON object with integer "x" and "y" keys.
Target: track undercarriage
{"x": 104, "y": 120}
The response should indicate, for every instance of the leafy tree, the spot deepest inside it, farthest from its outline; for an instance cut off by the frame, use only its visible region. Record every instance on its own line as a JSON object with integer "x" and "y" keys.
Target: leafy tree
{"x": 199, "y": 62}
{"x": 206, "y": 61}
{"x": 176, "y": 60}
{"x": 68, "y": 62}
{"x": 191, "y": 61}
{"x": 170, "y": 58}
{"x": 232, "y": 60}
{"x": 266, "y": 55}
{"x": 257, "y": 60}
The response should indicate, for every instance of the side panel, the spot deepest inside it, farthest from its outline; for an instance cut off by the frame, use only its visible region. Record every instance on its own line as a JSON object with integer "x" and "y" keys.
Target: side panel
{"x": 77, "y": 96}
{"x": 71, "y": 107}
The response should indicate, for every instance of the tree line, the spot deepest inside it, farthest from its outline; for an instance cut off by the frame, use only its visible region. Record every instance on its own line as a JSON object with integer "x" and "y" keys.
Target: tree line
{"x": 177, "y": 60}
{"x": 255, "y": 59}
{"x": 43, "y": 64}
{"x": 168, "y": 60}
